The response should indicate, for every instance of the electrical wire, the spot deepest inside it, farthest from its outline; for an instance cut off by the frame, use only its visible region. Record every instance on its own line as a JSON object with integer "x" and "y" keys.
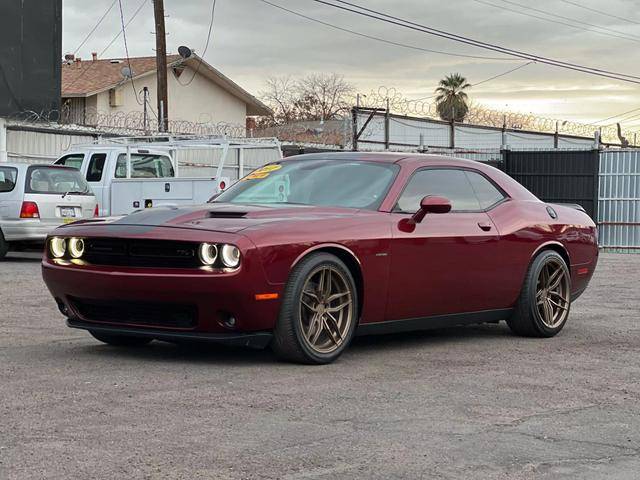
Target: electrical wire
{"x": 366, "y": 12}
{"x": 91, "y": 65}
{"x": 206, "y": 46}
{"x": 104, "y": 15}
{"x": 502, "y": 74}
{"x": 617, "y": 116}
{"x": 135, "y": 14}
{"x": 380, "y": 39}
{"x": 614, "y": 33}
{"x": 601, "y": 12}
{"x": 126, "y": 50}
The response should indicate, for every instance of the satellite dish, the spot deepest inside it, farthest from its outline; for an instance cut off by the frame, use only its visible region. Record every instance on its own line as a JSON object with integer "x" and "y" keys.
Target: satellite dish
{"x": 184, "y": 52}
{"x": 126, "y": 72}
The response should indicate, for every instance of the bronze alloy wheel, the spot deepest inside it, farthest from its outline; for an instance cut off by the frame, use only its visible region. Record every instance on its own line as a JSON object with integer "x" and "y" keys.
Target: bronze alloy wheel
{"x": 553, "y": 293}
{"x": 326, "y": 309}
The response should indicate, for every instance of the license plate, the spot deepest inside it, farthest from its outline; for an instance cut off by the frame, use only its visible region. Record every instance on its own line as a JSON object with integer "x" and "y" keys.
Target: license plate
{"x": 67, "y": 212}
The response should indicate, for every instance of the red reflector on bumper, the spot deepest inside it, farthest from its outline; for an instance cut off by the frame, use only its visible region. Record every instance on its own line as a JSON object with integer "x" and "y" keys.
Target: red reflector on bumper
{"x": 583, "y": 271}
{"x": 266, "y": 296}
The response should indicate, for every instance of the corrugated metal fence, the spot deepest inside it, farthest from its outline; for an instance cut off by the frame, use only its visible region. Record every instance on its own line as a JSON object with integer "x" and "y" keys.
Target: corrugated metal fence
{"x": 619, "y": 201}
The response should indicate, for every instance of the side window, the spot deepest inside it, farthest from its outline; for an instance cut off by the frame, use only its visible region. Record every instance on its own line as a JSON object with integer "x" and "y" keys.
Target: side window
{"x": 145, "y": 166}
{"x": 452, "y": 184}
{"x": 96, "y": 166}
{"x": 73, "y": 160}
{"x": 487, "y": 193}
{"x": 8, "y": 176}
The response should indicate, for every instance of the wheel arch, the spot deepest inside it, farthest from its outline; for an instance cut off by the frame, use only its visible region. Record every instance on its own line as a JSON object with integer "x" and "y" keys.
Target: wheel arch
{"x": 556, "y": 247}
{"x": 349, "y": 258}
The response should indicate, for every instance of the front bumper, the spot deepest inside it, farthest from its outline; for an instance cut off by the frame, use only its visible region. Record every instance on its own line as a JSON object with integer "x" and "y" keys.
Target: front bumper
{"x": 256, "y": 340}
{"x": 172, "y": 300}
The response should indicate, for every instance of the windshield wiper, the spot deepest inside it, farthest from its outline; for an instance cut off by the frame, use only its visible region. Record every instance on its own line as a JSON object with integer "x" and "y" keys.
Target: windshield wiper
{"x": 72, "y": 192}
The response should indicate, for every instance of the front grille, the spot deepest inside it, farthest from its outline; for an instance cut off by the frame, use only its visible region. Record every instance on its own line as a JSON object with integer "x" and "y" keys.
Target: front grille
{"x": 136, "y": 313}
{"x": 141, "y": 253}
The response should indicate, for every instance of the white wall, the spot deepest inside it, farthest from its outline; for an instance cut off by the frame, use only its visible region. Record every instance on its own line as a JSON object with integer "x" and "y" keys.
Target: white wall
{"x": 202, "y": 101}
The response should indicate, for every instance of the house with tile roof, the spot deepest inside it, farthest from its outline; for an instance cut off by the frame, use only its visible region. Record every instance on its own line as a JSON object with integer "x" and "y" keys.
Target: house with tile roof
{"x": 197, "y": 92}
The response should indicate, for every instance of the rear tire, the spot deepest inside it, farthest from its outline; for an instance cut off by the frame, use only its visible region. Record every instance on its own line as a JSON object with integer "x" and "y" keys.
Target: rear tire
{"x": 545, "y": 300}
{"x": 4, "y": 246}
{"x": 120, "y": 340}
{"x": 319, "y": 311}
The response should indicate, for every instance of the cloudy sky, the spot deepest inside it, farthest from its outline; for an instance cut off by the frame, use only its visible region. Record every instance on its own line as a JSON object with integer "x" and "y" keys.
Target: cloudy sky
{"x": 253, "y": 40}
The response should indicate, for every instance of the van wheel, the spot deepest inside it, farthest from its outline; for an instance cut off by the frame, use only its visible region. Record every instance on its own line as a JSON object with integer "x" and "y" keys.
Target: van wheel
{"x": 543, "y": 307}
{"x": 4, "y": 246}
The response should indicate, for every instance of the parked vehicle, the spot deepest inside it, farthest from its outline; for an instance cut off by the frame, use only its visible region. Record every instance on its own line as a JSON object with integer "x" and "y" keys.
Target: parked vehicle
{"x": 131, "y": 173}
{"x": 128, "y": 179}
{"x": 35, "y": 199}
{"x": 307, "y": 252}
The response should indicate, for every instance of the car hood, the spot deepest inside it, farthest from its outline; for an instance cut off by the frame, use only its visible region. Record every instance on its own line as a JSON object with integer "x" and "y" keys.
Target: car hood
{"x": 227, "y": 217}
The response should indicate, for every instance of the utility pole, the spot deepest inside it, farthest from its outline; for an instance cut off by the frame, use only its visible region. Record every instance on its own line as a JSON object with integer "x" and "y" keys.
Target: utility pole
{"x": 161, "y": 65}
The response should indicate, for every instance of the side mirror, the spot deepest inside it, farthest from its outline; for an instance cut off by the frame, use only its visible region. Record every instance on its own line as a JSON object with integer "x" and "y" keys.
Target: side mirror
{"x": 431, "y": 204}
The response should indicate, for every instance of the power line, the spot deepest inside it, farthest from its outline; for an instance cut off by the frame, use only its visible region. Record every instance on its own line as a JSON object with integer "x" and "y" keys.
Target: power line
{"x": 206, "y": 46}
{"x": 502, "y": 74}
{"x": 380, "y": 39}
{"x": 469, "y": 41}
{"x": 601, "y": 12}
{"x": 614, "y": 33}
{"x": 126, "y": 50}
{"x": 618, "y": 115}
{"x": 135, "y": 14}
{"x": 104, "y": 15}
{"x": 91, "y": 65}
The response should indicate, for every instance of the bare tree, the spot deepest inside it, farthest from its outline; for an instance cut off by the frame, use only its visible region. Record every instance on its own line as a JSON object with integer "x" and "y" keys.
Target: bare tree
{"x": 314, "y": 97}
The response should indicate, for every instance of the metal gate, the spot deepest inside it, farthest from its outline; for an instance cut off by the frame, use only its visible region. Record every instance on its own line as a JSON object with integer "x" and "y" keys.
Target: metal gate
{"x": 619, "y": 201}
{"x": 558, "y": 176}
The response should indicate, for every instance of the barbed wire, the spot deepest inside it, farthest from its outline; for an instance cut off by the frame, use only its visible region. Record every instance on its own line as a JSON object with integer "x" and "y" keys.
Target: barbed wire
{"x": 483, "y": 116}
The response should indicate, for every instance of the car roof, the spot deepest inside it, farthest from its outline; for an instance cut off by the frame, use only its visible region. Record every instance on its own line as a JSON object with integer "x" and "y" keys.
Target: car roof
{"x": 24, "y": 166}
{"x": 387, "y": 157}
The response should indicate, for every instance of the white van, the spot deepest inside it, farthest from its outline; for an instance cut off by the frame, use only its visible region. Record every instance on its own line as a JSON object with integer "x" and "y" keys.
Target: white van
{"x": 125, "y": 179}
{"x": 35, "y": 199}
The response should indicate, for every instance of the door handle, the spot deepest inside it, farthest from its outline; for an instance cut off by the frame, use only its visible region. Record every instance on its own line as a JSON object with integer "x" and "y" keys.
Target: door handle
{"x": 484, "y": 226}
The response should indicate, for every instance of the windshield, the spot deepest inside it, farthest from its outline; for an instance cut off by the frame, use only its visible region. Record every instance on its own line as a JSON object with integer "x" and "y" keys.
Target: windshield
{"x": 56, "y": 180}
{"x": 323, "y": 182}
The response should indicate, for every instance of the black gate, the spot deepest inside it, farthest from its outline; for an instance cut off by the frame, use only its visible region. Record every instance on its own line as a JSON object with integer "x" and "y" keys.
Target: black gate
{"x": 558, "y": 176}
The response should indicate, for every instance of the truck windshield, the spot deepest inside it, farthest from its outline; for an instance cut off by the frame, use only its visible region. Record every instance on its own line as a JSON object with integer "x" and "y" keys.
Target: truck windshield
{"x": 56, "y": 180}
{"x": 322, "y": 182}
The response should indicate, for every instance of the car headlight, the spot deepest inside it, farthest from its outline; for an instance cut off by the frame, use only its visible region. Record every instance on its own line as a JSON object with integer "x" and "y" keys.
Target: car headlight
{"x": 208, "y": 253}
{"x": 58, "y": 247}
{"x": 230, "y": 256}
{"x": 76, "y": 247}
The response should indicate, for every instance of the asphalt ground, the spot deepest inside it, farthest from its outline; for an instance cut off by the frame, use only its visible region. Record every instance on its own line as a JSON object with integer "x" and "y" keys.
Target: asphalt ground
{"x": 459, "y": 403}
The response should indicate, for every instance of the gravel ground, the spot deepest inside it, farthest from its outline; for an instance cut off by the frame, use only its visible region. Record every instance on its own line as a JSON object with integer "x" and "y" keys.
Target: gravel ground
{"x": 457, "y": 403}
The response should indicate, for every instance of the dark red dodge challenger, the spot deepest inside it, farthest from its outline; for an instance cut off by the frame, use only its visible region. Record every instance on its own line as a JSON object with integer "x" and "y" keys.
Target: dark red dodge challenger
{"x": 307, "y": 252}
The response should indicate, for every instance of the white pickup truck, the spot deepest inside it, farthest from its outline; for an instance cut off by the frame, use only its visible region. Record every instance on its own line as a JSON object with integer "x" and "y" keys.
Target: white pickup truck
{"x": 128, "y": 178}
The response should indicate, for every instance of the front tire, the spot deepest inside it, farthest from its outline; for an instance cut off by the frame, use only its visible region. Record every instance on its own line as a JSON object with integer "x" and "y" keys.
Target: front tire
{"x": 543, "y": 307}
{"x": 319, "y": 311}
{"x": 120, "y": 340}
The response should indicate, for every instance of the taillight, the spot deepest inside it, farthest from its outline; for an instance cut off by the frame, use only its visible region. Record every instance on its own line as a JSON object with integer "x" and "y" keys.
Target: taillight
{"x": 96, "y": 211}
{"x": 29, "y": 210}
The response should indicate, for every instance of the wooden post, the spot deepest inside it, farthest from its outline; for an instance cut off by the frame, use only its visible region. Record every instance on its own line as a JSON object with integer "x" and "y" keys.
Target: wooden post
{"x": 161, "y": 64}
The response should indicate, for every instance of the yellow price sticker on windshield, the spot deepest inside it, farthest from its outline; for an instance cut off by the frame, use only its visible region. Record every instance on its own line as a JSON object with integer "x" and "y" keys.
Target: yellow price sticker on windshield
{"x": 262, "y": 172}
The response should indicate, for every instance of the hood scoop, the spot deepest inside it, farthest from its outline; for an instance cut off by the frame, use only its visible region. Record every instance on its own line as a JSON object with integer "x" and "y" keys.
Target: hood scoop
{"x": 226, "y": 214}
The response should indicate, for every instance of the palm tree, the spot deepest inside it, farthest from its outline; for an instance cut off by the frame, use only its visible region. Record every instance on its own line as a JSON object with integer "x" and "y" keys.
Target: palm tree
{"x": 451, "y": 100}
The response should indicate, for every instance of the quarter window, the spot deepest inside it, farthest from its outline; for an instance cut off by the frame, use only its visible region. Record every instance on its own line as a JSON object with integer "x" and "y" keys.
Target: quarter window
{"x": 487, "y": 193}
{"x": 8, "y": 176}
{"x": 449, "y": 183}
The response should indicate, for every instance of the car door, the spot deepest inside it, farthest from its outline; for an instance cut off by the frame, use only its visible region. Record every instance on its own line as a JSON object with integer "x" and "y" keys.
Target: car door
{"x": 445, "y": 264}
{"x": 95, "y": 176}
